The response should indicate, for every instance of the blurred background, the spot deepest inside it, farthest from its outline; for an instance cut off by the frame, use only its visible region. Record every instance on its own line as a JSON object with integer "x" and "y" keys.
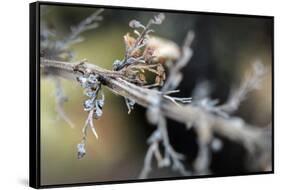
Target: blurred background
{"x": 224, "y": 49}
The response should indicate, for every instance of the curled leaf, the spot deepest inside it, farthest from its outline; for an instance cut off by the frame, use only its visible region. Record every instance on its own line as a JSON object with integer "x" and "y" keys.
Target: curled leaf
{"x": 148, "y": 53}
{"x": 129, "y": 40}
{"x": 162, "y": 49}
{"x": 135, "y": 24}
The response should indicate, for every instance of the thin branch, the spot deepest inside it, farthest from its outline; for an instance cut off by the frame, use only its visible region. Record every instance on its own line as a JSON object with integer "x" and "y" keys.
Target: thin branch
{"x": 60, "y": 100}
{"x": 175, "y": 76}
{"x": 238, "y": 94}
{"x": 148, "y": 160}
{"x": 160, "y": 136}
{"x": 58, "y": 48}
{"x": 89, "y": 23}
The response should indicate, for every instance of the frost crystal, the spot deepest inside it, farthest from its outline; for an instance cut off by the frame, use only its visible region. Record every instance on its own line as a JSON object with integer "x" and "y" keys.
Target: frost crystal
{"x": 81, "y": 151}
{"x": 88, "y": 105}
{"x": 92, "y": 79}
{"x": 117, "y": 65}
{"x": 98, "y": 112}
{"x": 89, "y": 92}
{"x": 83, "y": 81}
{"x": 92, "y": 86}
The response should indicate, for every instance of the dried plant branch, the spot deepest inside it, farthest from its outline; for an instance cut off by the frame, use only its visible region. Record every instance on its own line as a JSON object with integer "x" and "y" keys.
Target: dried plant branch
{"x": 138, "y": 56}
{"x": 59, "y": 49}
{"x": 93, "y": 105}
{"x": 128, "y": 80}
{"x": 235, "y": 129}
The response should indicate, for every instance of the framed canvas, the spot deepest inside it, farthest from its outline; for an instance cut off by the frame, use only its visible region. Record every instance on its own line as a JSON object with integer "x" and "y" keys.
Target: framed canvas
{"x": 120, "y": 94}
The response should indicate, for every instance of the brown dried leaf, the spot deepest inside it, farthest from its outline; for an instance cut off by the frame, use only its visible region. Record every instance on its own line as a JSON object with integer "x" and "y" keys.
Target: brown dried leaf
{"x": 160, "y": 69}
{"x": 129, "y": 40}
{"x": 148, "y": 53}
{"x": 157, "y": 80}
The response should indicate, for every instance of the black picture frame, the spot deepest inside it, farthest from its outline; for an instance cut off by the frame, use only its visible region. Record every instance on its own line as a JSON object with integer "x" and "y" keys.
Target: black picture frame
{"x": 34, "y": 94}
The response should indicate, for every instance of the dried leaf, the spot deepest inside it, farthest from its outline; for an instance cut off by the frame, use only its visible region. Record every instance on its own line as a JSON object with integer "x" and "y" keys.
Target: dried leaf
{"x": 157, "y": 80}
{"x": 129, "y": 40}
{"x": 129, "y": 43}
{"x": 163, "y": 49}
{"x": 148, "y": 53}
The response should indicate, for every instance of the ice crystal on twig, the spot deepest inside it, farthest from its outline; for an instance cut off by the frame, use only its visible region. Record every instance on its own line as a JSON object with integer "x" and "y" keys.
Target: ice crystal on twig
{"x": 93, "y": 104}
{"x": 57, "y": 48}
{"x": 81, "y": 151}
{"x": 130, "y": 104}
